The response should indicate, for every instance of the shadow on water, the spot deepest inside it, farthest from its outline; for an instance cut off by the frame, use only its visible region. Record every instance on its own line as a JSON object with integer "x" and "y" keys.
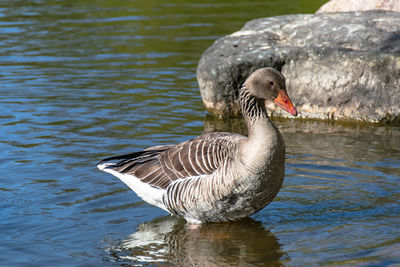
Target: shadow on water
{"x": 169, "y": 240}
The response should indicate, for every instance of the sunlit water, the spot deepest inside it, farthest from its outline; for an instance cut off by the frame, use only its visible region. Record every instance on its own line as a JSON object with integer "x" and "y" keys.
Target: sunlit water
{"x": 82, "y": 81}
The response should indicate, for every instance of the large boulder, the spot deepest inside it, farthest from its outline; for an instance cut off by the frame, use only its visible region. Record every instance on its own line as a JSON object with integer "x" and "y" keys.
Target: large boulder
{"x": 359, "y": 5}
{"x": 341, "y": 65}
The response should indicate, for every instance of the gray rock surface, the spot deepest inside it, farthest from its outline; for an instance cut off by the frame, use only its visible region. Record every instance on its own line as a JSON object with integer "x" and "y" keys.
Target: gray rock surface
{"x": 337, "y": 66}
{"x": 359, "y": 5}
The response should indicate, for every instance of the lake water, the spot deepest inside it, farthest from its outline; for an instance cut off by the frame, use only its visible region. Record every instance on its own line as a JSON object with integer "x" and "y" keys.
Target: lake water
{"x": 83, "y": 80}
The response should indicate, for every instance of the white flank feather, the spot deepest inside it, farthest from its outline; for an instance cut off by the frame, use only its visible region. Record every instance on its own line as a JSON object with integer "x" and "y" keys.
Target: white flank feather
{"x": 145, "y": 191}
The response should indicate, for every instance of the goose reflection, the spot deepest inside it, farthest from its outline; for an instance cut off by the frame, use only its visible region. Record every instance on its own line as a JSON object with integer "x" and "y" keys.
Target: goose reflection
{"x": 169, "y": 240}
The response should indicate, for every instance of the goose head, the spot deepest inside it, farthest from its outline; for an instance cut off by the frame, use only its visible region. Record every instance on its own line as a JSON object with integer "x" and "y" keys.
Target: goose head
{"x": 269, "y": 84}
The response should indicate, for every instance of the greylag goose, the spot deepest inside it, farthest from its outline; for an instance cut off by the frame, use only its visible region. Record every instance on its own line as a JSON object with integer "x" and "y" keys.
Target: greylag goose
{"x": 216, "y": 176}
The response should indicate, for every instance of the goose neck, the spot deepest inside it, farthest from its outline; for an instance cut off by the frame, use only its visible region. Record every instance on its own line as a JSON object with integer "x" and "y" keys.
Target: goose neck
{"x": 263, "y": 137}
{"x": 254, "y": 113}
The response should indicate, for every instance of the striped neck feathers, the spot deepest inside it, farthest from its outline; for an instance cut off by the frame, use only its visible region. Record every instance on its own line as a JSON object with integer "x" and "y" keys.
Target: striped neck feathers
{"x": 264, "y": 139}
{"x": 252, "y": 107}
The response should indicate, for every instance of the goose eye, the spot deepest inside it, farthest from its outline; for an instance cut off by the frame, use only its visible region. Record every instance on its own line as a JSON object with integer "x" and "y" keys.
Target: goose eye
{"x": 271, "y": 83}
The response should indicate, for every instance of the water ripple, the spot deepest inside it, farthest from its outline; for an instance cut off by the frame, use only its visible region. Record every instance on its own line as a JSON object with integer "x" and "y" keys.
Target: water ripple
{"x": 81, "y": 82}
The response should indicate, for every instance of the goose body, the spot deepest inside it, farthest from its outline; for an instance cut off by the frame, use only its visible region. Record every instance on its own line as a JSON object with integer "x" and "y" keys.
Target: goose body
{"x": 215, "y": 176}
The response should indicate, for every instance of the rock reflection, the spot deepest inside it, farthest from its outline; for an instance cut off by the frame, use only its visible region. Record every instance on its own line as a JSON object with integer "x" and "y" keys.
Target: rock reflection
{"x": 236, "y": 124}
{"x": 169, "y": 240}
{"x": 230, "y": 124}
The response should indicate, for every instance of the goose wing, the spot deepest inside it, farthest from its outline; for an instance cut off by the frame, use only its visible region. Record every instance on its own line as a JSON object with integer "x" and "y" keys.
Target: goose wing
{"x": 161, "y": 165}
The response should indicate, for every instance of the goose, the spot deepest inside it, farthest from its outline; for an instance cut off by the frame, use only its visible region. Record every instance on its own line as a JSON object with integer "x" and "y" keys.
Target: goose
{"x": 217, "y": 176}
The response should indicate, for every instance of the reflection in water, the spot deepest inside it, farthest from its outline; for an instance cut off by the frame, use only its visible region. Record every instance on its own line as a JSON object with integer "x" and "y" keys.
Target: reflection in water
{"x": 299, "y": 126}
{"x": 231, "y": 124}
{"x": 170, "y": 240}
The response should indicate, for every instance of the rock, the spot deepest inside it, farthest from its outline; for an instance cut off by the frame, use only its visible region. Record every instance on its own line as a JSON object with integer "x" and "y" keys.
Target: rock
{"x": 337, "y": 66}
{"x": 359, "y": 5}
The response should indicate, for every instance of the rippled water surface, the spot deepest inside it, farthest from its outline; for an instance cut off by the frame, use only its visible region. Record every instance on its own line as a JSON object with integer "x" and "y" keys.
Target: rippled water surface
{"x": 82, "y": 80}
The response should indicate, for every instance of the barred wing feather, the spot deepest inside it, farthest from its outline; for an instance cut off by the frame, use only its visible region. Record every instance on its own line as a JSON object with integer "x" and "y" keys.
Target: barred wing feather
{"x": 162, "y": 165}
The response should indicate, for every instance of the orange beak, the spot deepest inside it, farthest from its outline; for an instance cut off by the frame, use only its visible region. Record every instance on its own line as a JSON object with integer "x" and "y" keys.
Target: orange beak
{"x": 283, "y": 101}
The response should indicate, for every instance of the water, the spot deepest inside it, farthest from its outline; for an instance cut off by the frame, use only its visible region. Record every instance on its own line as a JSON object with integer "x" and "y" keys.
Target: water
{"x": 82, "y": 81}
